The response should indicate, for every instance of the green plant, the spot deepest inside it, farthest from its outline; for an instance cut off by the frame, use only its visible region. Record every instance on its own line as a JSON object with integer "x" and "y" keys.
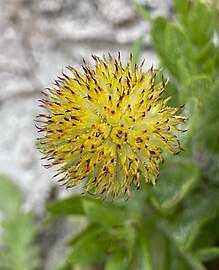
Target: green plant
{"x": 173, "y": 225}
{"x": 18, "y": 250}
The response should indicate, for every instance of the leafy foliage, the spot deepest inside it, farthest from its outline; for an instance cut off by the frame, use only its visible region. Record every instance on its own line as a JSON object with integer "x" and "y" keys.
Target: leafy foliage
{"x": 18, "y": 250}
{"x": 173, "y": 225}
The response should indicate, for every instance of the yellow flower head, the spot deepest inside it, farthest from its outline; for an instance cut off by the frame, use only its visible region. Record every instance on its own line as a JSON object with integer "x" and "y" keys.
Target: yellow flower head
{"x": 107, "y": 126}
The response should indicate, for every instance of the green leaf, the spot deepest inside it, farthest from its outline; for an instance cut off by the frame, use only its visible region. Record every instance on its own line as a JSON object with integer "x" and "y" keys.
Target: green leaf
{"x": 185, "y": 68}
{"x": 104, "y": 214}
{"x": 18, "y": 250}
{"x": 192, "y": 112}
{"x": 157, "y": 32}
{"x": 9, "y": 190}
{"x": 146, "y": 261}
{"x": 143, "y": 12}
{"x": 180, "y": 258}
{"x": 88, "y": 246}
{"x": 199, "y": 87}
{"x": 199, "y": 209}
{"x": 207, "y": 254}
{"x": 210, "y": 120}
{"x": 208, "y": 232}
{"x": 69, "y": 206}
{"x": 200, "y": 23}
{"x": 181, "y": 7}
{"x": 115, "y": 262}
{"x": 175, "y": 182}
{"x": 177, "y": 47}
{"x": 18, "y": 240}
{"x": 191, "y": 260}
{"x": 205, "y": 53}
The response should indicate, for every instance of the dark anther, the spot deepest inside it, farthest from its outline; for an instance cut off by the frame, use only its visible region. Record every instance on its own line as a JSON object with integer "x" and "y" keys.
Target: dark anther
{"x": 73, "y": 117}
{"x": 139, "y": 140}
{"x": 95, "y": 179}
{"x": 133, "y": 119}
{"x": 105, "y": 169}
{"x": 97, "y": 134}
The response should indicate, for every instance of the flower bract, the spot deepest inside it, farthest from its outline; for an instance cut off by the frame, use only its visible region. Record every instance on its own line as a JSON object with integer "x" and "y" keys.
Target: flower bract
{"x": 107, "y": 126}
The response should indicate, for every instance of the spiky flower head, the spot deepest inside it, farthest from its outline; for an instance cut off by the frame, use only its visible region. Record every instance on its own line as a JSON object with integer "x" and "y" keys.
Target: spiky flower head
{"x": 108, "y": 125}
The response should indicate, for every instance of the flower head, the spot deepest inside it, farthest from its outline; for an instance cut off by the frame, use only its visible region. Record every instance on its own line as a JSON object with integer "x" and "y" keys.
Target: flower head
{"x": 107, "y": 126}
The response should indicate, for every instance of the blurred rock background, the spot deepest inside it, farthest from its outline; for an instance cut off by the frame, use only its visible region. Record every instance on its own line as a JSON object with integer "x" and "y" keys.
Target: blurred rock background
{"x": 39, "y": 38}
